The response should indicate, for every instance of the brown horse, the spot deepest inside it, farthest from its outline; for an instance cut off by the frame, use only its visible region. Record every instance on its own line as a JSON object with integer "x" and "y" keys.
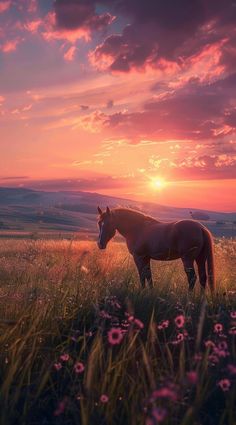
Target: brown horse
{"x": 148, "y": 239}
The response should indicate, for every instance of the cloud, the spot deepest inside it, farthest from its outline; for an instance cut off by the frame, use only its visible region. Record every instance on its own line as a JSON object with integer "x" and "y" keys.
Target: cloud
{"x": 196, "y": 111}
{"x": 73, "y": 14}
{"x": 5, "y": 5}
{"x": 33, "y": 26}
{"x": 85, "y": 184}
{"x": 169, "y": 30}
{"x": 73, "y": 20}
{"x": 2, "y": 179}
{"x": 9, "y": 46}
{"x": 70, "y": 54}
{"x": 201, "y": 167}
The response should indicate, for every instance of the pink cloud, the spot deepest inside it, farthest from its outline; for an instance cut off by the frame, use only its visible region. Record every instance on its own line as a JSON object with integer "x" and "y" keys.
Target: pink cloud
{"x": 9, "y": 46}
{"x": 33, "y": 26}
{"x": 4, "y": 6}
{"x": 51, "y": 32}
{"x": 70, "y": 54}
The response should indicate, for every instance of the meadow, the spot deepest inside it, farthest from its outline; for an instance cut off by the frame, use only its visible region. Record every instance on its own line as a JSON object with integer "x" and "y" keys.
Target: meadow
{"x": 81, "y": 343}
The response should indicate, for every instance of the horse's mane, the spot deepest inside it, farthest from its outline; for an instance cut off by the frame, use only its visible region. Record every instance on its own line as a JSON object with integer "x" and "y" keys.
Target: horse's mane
{"x": 133, "y": 215}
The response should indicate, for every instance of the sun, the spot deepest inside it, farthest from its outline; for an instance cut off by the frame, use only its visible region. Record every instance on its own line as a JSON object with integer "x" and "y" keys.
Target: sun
{"x": 157, "y": 183}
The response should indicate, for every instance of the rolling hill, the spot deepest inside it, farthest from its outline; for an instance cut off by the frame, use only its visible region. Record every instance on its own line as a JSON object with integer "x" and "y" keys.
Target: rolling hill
{"x": 27, "y": 210}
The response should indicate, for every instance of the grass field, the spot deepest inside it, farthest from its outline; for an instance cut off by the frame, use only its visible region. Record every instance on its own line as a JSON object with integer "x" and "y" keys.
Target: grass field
{"x": 81, "y": 343}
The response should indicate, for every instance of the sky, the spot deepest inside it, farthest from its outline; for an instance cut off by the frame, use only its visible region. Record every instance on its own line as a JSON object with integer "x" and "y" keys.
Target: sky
{"x": 128, "y": 98}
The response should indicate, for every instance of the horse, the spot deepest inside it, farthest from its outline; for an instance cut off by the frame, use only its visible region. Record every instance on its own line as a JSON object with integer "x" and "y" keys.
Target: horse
{"x": 148, "y": 238}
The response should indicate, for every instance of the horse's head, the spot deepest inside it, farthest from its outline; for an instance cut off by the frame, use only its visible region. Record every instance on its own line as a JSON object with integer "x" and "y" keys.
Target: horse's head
{"x": 106, "y": 227}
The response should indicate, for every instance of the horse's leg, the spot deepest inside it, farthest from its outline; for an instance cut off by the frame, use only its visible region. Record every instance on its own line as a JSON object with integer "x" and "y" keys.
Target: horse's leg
{"x": 144, "y": 270}
{"x": 190, "y": 272}
{"x": 201, "y": 265}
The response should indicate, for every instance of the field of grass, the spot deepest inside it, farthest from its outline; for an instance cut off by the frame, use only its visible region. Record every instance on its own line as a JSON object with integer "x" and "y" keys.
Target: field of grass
{"x": 81, "y": 343}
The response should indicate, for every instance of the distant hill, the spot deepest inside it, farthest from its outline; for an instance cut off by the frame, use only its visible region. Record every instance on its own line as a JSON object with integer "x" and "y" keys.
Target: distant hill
{"x": 30, "y": 210}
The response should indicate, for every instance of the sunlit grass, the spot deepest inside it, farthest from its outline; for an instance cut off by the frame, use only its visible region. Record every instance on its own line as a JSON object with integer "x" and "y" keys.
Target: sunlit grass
{"x": 61, "y": 298}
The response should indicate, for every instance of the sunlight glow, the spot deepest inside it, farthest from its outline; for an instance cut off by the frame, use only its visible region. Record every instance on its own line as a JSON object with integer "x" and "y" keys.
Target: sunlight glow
{"x": 158, "y": 183}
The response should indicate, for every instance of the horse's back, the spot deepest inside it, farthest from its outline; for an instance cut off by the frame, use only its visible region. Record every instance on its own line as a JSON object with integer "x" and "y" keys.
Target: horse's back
{"x": 173, "y": 240}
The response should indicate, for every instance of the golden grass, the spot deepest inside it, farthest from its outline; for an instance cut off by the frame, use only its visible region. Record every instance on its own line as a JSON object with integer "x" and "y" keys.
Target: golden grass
{"x": 52, "y": 294}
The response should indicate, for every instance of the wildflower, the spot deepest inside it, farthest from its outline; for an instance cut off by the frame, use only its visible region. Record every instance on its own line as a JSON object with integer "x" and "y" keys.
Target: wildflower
{"x": 232, "y": 369}
{"x": 131, "y": 318}
{"x": 64, "y": 357}
{"x": 61, "y": 407}
{"x": 159, "y": 414}
{"x": 224, "y": 384}
{"x": 192, "y": 377}
{"x": 104, "y": 398}
{"x": 218, "y": 328}
{"x": 198, "y": 357}
{"x": 179, "y": 338}
{"x": 209, "y": 344}
{"x": 180, "y": 321}
{"x": 149, "y": 421}
{"x": 104, "y": 315}
{"x": 221, "y": 353}
{"x": 78, "y": 367}
{"x": 213, "y": 359}
{"x": 232, "y": 331}
{"x": 165, "y": 392}
{"x": 57, "y": 366}
{"x": 115, "y": 336}
{"x": 138, "y": 323}
{"x": 233, "y": 314}
{"x": 163, "y": 325}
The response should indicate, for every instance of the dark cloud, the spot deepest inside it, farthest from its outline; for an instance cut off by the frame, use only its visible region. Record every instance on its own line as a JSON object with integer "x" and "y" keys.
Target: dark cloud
{"x": 173, "y": 30}
{"x": 74, "y": 14}
{"x": 195, "y": 112}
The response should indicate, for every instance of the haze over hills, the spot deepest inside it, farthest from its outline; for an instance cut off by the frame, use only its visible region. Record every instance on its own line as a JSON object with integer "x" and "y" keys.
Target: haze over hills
{"x": 30, "y": 211}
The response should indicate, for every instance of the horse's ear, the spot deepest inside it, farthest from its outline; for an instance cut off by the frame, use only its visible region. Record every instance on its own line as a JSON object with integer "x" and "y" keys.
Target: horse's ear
{"x": 99, "y": 211}
{"x": 108, "y": 211}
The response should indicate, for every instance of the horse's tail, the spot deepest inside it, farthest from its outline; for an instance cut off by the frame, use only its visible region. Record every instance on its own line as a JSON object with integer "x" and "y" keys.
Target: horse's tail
{"x": 209, "y": 255}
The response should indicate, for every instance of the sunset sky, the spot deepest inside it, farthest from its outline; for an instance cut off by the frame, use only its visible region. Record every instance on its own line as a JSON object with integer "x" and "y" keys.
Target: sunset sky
{"x": 129, "y": 98}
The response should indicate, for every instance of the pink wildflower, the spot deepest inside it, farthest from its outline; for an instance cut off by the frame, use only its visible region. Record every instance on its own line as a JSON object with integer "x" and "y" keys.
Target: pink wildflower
{"x": 104, "y": 398}
{"x": 198, "y": 357}
{"x": 61, "y": 407}
{"x": 131, "y": 318}
{"x": 78, "y": 367}
{"x": 218, "y": 328}
{"x": 115, "y": 336}
{"x": 213, "y": 359}
{"x": 165, "y": 392}
{"x": 64, "y": 357}
{"x": 149, "y": 421}
{"x": 163, "y": 325}
{"x": 224, "y": 384}
{"x": 209, "y": 343}
{"x": 138, "y": 323}
{"x": 58, "y": 366}
{"x": 233, "y": 314}
{"x": 232, "y": 331}
{"x": 232, "y": 369}
{"x": 179, "y": 338}
{"x": 104, "y": 315}
{"x": 159, "y": 414}
{"x": 192, "y": 377}
{"x": 180, "y": 321}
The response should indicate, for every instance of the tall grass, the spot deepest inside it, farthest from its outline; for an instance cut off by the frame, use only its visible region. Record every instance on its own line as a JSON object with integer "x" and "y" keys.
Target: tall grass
{"x": 175, "y": 357}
